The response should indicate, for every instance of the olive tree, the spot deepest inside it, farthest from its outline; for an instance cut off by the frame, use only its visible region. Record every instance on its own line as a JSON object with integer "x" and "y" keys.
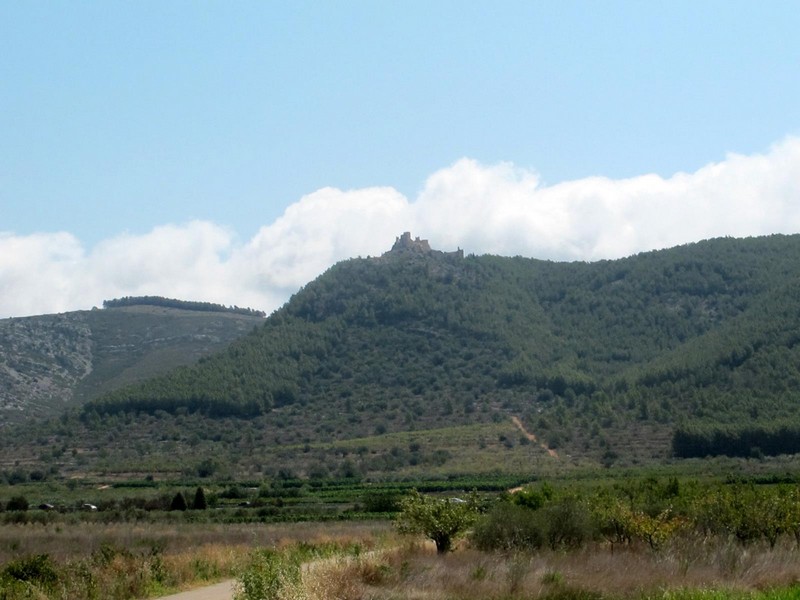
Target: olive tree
{"x": 441, "y": 520}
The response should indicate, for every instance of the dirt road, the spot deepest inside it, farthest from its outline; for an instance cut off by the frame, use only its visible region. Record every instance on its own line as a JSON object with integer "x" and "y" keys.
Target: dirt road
{"x": 532, "y": 437}
{"x": 219, "y": 591}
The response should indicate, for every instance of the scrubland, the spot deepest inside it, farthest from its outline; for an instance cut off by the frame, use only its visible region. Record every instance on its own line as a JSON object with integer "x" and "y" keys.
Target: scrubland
{"x": 686, "y": 570}
{"x": 641, "y": 539}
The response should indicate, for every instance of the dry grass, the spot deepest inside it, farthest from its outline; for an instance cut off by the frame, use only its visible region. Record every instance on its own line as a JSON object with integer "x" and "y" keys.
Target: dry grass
{"x": 124, "y": 561}
{"x": 417, "y": 573}
{"x": 386, "y": 568}
{"x": 71, "y": 541}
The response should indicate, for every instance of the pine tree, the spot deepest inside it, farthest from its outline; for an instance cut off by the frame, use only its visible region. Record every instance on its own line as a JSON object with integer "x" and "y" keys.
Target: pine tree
{"x": 199, "y": 500}
{"x": 178, "y": 502}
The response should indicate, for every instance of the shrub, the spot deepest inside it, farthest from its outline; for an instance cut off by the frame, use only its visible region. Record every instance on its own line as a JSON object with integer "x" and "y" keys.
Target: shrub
{"x": 17, "y": 503}
{"x": 38, "y": 569}
{"x": 270, "y": 574}
{"x": 533, "y": 498}
{"x": 567, "y": 523}
{"x": 381, "y": 502}
{"x": 207, "y": 468}
{"x": 508, "y": 527}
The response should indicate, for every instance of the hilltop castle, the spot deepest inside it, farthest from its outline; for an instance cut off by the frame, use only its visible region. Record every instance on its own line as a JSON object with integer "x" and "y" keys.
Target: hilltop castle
{"x": 406, "y": 245}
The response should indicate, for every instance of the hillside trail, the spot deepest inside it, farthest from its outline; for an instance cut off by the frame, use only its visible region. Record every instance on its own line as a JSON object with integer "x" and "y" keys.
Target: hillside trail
{"x": 218, "y": 591}
{"x": 533, "y": 438}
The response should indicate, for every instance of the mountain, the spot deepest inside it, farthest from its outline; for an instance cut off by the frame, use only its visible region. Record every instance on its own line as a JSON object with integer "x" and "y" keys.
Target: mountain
{"x": 420, "y": 360}
{"x": 51, "y": 362}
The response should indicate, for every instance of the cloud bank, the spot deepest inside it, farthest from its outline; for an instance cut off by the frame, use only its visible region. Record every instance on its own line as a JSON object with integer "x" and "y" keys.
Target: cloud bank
{"x": 497, "y": 209}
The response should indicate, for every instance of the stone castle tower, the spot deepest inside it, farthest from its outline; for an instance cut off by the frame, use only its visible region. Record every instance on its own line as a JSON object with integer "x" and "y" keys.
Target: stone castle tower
{"x": 408, "y": 246}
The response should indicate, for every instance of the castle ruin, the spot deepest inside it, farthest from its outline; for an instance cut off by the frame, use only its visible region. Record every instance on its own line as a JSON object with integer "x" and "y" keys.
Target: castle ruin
{"x": 408, "y": 246}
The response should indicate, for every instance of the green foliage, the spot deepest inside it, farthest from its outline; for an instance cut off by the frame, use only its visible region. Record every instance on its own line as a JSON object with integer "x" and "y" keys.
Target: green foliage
{"x": 38, "y": 569}
{"x": 567, "y": 523}
{"x": 207, "y": 467}
{"x": 688, "y": 333}
{"x": 533, "y": 498}
{"x": 609, "y": 362}
{"x": 558, "y": 522}
{"x": 509, "y": 527}
{"x": 110, "y": 572}
{"x": 442, "y": 520}
{"x": 17, "y": 503}
{"x": 737, "y": 440}
{"x": 748, "y": 513}
{"x": 270, "y": 574}
{"x": 381, "y": 502}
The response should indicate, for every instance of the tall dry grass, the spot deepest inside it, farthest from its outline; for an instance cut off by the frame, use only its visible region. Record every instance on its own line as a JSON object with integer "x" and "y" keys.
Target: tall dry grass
{"x": 70, "y": 541}
{"x": 416, "y": 572}
{"x": 126, "y": 561}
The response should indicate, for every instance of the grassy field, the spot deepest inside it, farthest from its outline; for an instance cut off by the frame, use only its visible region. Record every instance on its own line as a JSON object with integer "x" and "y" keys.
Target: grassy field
{"x": 354, "y": 562}
{"x": 358, "y": 560}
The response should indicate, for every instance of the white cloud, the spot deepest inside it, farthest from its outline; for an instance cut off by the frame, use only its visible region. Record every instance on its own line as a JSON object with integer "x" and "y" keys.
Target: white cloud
{"x": 498, "y": 209}
{"x": 320, "y": 229}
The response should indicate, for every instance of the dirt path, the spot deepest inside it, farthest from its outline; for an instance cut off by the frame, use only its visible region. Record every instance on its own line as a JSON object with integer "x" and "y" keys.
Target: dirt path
{"x": 533, "y": 438}
{"x": 218, "y": 591}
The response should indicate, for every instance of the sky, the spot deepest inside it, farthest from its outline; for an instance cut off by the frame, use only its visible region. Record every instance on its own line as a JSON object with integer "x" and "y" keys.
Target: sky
{"x": 231, "y": 152}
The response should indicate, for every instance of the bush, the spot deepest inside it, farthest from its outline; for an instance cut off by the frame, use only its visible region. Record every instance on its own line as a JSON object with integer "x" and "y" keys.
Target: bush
{"x": 381, "y": 502}
{"x": 508, "y": 527}
{"x": 37, "y": 569}
{"x": 564, "y": 523}
{"x": 270, "y": 574}
{"x": 533, "y": 498}
{"x": 567, "y": 523}
{"x": 17, "y": 503}
{"x": 207, "y": 468}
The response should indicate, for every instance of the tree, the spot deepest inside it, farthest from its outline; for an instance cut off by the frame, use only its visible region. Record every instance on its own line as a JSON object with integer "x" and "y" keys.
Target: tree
{"x": 207, "y": 468}
{"x": 441, "y": 520}
{"x": 200, "y": 502}
{"x": 178, "y": 502}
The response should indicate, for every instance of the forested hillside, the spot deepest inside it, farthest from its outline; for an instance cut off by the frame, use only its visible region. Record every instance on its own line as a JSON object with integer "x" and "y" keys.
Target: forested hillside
{"x": 436, "y": 363}
{"x": 580, "y": 351}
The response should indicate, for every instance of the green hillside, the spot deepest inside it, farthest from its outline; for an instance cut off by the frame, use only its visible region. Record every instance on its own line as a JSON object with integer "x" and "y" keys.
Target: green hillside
{"x": 423, "y": 361}
{"x": 690, "y": 326}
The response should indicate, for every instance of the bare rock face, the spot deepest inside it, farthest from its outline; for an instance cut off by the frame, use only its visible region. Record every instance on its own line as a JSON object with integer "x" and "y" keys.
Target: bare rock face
{"x": 41, "y": 359}
{"x": 51, "y": 362}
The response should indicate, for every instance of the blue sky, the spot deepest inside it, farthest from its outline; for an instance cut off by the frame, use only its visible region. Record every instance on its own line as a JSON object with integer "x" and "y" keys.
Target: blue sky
{"x": 232, "y": 127}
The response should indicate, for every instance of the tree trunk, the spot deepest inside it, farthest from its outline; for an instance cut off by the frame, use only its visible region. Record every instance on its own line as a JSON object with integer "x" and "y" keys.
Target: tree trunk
{"x": 443, "y": 544}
